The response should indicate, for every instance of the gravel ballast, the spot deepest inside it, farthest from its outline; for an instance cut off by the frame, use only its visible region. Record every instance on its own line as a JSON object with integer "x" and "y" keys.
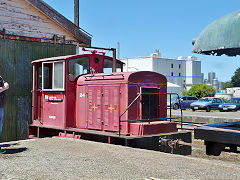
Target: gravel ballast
{"x": 65, "y": 158}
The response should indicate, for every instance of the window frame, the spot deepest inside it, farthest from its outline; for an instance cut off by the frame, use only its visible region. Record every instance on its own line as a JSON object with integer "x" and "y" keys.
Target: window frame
{"x": 53, "y": 76}
{"x": 117, "y": 63}
{"x": 89, "y": 63}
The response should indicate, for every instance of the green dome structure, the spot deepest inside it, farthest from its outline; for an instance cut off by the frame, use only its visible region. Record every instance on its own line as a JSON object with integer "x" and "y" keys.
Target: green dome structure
{"x": 220, "y": 37}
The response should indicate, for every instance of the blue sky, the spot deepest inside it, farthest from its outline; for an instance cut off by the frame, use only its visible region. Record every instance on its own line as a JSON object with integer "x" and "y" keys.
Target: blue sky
{"x": 141, "y": 26}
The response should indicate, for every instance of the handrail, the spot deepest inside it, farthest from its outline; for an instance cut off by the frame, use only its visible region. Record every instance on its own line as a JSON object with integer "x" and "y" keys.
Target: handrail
{"x": 119, "y": 125}
{"x": 153, "y": 119}
{"x": 102, "y": 76}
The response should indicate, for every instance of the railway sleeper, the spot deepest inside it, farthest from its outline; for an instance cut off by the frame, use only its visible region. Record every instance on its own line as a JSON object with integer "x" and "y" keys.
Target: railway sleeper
{"x": 215, "y": 148}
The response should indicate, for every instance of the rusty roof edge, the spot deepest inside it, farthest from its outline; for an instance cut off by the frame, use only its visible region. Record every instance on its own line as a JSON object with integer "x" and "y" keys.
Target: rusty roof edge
{"x": 80, "y": 34}
{"x": 219, "y": 52}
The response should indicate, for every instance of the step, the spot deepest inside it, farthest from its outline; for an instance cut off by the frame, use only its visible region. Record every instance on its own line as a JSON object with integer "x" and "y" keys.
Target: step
{"x": 146, "y": 128}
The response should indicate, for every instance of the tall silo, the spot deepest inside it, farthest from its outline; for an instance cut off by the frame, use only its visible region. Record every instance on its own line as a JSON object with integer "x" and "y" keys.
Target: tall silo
{"x": 220, "y": 85}
{"x": 211, "y": 76}
{"x": 215, "y": 84}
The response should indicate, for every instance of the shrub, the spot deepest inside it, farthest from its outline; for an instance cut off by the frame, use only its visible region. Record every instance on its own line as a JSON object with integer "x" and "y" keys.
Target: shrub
{"x": 201, "y": 90}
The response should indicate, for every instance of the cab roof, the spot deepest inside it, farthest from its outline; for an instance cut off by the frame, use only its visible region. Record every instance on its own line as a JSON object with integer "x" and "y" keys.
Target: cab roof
{"x": 70, "y": 57}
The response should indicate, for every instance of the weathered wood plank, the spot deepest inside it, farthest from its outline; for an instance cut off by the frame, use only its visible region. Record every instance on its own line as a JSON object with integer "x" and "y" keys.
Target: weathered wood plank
{"x": 18, "y": 17}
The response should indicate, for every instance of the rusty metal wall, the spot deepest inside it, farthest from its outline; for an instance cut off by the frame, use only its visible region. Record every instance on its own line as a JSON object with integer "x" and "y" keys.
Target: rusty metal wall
{"x": 16, "y": 69}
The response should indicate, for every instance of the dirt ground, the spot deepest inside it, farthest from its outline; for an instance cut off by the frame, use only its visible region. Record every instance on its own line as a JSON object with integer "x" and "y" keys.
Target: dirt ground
{"x": 199, "y": 151}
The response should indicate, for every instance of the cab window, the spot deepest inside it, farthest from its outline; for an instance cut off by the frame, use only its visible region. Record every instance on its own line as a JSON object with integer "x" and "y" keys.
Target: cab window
{"x": 108, "y": 64}
{"x": 53, "y": 75}
{"x": 77, "y": 67}
{"x": 39, "y": 78}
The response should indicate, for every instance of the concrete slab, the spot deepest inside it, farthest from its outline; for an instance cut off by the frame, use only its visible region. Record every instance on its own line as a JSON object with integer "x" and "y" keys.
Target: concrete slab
{"x": 207, "y": 117}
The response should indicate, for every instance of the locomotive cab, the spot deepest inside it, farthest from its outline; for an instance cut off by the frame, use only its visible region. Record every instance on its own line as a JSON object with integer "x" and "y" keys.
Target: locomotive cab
{"x": 54, "y": 86}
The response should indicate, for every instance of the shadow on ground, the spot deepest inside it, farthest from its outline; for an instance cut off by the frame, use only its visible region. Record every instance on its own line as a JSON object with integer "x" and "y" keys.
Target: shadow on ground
{"x": 12, "y": 150}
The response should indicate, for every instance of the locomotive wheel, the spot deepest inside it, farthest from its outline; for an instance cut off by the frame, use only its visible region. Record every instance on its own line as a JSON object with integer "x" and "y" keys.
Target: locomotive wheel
{"x": 175, "y": 106}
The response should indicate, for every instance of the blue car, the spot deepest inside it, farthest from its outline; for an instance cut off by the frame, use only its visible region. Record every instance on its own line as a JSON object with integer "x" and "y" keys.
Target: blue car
{"x": 231, "y": 105}
{"x": 206, "y": 103}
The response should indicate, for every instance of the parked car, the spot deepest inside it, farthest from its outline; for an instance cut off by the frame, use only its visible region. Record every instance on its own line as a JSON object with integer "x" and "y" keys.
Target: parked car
{"x": 206, "y": 103}
{"x": 231, "y": 105}
{"x": 184, "y": 101}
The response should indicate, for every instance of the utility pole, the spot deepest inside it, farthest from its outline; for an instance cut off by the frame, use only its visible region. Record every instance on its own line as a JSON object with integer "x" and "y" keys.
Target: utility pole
{"x": 76, "y": 12}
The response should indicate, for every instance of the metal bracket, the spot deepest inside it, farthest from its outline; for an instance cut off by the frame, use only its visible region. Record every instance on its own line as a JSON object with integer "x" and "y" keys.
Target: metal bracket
{"x": 69, "y": 135}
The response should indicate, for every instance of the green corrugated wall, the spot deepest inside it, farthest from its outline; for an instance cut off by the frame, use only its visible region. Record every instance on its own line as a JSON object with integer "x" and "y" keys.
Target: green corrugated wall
{"x": 16, "y": 69}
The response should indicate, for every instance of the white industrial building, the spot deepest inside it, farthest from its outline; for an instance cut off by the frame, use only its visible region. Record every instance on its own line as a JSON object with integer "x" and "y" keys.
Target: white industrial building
{"x": 183, "y": 71}
{"x": 235, "y": 91}
{"x": 229, "y": 93}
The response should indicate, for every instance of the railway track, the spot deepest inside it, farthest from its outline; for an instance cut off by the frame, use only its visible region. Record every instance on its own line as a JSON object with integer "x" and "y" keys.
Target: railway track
{"x": 188, "y": 125}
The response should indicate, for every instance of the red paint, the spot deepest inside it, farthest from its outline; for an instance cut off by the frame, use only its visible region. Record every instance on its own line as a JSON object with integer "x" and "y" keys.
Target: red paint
{"x": 54, "y": 112}
{"x": 95, "y": 101}
{"x": 153, "y": 128}
{"x": 69, "y": 135}
{"x": 60, "y": 114}
{"x": 104, "y": 103}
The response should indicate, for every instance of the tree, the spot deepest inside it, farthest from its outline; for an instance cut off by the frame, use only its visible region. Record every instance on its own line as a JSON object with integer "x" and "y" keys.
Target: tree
{"x": 227, "y": 84}
{"x": 236, "y": 78}
{"x": 201, "y": 90}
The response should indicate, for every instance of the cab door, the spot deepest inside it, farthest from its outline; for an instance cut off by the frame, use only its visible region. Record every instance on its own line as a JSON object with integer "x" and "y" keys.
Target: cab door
{"x": 150, "y": 103}
{"x": 110, "y": 107}
{"x": 53, "y": 94}
{"x": 94, "y": 107}
{"x": 37, "y": 92}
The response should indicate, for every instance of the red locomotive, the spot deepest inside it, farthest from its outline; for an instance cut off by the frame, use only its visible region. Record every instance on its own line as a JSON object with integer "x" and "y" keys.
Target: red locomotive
{"x": 80, "y": 96}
